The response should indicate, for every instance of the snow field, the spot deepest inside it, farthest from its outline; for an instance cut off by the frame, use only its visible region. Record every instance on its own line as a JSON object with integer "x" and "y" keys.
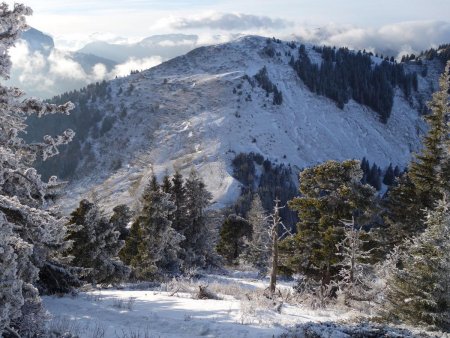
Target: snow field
{"x": 172, "y": 310}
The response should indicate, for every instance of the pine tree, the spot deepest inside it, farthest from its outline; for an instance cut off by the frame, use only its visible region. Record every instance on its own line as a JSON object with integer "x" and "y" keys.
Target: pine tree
{"x": 330, "y": 192}
{"x": 213, "y": 220}
{"x": 389, "y": 176}
{"x": 178, "y": 196}
{"x": 154, "y": 185}
{"x": 13, "y": 251}
{"x": 365, "y": 167}
{"x": 195, "y": 245}
{"x": 422, "y": 185}
{"x": 96, "y": 245}
{"x": 130, "y": 249}
{"x": 232, "y": 234}
{"x": 31, "y": 232}
{"x": 441, "y": 98}
{"x": 166, "y": 185}
{"x": 402, "y": 216}
{"x": 418, "y": 283}
{"x": 396, "y": 171}
{"x": 120, "y": 219}
{"x": 424, "y": 170}
{"x": 258, "y": 250}
{"x": 374, "y": 178}
{"x": 155, "y": 235}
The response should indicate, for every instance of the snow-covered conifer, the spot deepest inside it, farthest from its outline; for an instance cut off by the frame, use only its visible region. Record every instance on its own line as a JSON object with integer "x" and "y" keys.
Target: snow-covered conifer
{"x": 196, "y": 234}
{"x": 418, "y": 283}
{"x": 96, "y": 245}
{"x": 166, "y": 185}
{"x": 259, "y": 246}
{"x": 130, "y": 249}
{"x": 178, "y": 193}
{"x": 31, "y": 233}
{"x": 157, "y": 242}
{"x": 120, "y": 219}
{"x": 355, "y": 273}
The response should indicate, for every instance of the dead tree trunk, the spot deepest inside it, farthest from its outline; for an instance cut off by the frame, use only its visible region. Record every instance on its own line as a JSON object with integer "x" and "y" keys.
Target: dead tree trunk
{"x": 274, "y": 229}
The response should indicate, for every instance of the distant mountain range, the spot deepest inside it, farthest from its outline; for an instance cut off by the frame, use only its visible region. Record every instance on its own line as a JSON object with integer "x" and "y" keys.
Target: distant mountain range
{"x": 38, "y": 41}
{"x": 166, "y": 46}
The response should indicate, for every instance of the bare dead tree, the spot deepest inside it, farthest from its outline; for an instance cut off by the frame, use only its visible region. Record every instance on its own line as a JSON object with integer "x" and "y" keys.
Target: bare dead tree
{"x": 274, "y": 232}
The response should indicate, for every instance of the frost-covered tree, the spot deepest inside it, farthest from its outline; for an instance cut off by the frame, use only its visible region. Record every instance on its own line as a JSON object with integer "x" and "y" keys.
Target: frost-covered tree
{"x": 178, "y": 196}
{"x": 418, "y": 283}
{"x": 258, "y": 247}
{"x": 130, "y": 249}
{"x": 196, "y": 244}
{"x": 96, "y": 245}
{"x": 166, "y": 185}
{"x": 120, "y": 218}
{"x": 31, "y": 232}
{"x": 213, "y": 220}
{"x": 12, "y": 251}
{"x": 157, "y": 243}
{"x": 356, "y": 276}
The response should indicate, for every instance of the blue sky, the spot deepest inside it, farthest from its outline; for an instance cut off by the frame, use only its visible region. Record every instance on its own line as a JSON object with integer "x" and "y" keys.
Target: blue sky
{"x": 75, "y": 22}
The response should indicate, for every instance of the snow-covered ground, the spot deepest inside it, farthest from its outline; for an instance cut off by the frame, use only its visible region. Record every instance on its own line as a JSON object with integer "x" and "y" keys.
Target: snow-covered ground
{"x": 155, "y": 313}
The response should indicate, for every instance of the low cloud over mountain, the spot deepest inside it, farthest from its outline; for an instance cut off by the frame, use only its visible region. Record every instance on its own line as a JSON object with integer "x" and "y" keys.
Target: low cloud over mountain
{"x": 393, "y": 40}
{"x": 228, "y": 21}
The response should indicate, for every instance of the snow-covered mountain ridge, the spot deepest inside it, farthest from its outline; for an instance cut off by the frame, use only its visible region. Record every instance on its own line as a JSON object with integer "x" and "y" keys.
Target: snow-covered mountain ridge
{"x": 200, "y": 110}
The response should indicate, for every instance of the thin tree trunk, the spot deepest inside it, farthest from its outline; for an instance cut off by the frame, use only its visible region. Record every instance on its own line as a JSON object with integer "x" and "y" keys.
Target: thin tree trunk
{"x": 274, "y": 270}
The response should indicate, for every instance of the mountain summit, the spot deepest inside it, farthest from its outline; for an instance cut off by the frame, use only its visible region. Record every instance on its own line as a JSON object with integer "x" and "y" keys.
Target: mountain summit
{"x": 202, "y": 109}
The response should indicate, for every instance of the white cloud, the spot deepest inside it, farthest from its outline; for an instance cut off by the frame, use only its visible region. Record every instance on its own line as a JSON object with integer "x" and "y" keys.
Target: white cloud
{"x": 125, "y": 68}
{"x": 74, "y": 42}
{"x": 173, "y": 43}
{"x": 21, "y": 57}
{"x": 62, "y": 66}
{"x": 99, "y": 72}
{"x": 210, "y": 39}
{"x": 393, "y": 39}
{"x": 221, "y": 21}
{"x": 45, "y": 76}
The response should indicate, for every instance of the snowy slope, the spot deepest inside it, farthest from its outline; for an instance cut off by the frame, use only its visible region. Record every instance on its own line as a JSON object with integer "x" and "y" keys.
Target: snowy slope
{"x": 183, "y": 114}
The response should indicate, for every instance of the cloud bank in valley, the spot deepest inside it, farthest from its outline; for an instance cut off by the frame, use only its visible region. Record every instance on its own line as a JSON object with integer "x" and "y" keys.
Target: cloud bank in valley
{"x": 393, "y": 39}
{"x": 46, "y": 75}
